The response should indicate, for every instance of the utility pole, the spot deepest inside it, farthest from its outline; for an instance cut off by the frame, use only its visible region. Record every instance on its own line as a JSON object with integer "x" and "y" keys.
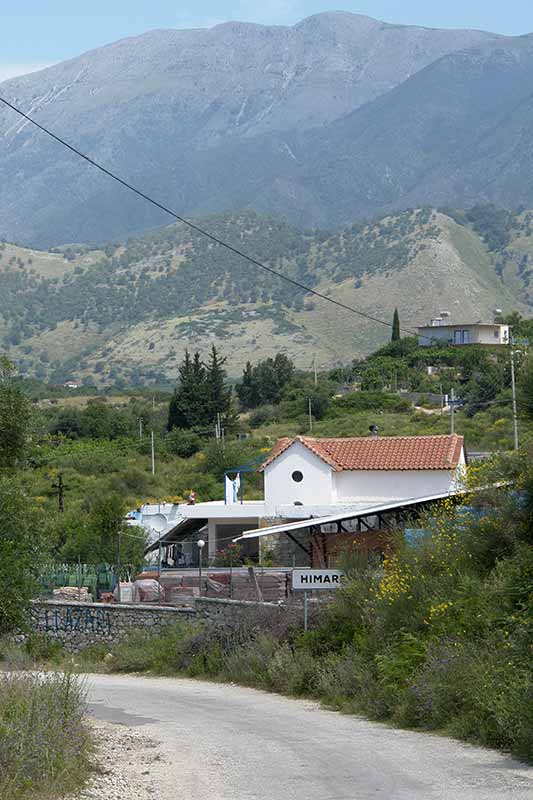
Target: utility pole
{"x": 314, "y": 370}
{"x": 152, "y": 436}
{"x": 140, "y": 429}
{"x": 310, "y": 416}
{"x": 118, "y": 567}
{"x": 60, "y": 486}
{"x": 452, "y": 411}
{"x": 515, "y": 411}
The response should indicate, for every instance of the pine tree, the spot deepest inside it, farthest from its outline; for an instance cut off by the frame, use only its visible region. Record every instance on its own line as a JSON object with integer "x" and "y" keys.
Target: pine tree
{"x": 395, "y": 326}
{"x": 188, "y": 407}
{"x": 218, "y": 396}
{"x": 247, "y": 388}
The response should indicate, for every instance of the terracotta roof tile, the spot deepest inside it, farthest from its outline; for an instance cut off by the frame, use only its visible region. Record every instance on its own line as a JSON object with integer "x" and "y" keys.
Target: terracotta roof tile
{"x": 380, "y": 452}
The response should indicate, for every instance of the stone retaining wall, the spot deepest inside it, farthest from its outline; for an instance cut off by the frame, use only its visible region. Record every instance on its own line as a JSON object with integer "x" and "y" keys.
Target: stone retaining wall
{"x": 230, "y": 612}
{"x": 80, "y": 625}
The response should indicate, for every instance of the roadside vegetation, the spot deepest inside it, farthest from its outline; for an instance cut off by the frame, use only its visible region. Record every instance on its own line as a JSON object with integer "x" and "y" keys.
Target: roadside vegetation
{"x": 45, "y": 747}
{"x": 437, "y": 636}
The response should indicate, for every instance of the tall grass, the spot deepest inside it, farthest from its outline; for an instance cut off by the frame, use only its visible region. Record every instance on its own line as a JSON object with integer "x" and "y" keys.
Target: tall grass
{"x": 44, "y": 744}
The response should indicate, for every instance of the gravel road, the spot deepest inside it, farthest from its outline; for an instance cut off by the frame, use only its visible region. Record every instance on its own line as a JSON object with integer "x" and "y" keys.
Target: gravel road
{"x": 170, "y": 739}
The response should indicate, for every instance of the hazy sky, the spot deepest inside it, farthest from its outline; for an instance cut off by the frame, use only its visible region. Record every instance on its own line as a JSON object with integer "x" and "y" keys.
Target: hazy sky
{"x": 44, "y": 32}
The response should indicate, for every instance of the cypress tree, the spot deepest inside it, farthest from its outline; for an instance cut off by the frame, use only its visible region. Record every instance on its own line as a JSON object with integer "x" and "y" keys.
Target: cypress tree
{"x": 395, "y": 326}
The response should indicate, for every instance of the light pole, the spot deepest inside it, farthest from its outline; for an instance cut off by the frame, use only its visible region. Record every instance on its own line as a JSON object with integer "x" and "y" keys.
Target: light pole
{"x": 201, "y": 545}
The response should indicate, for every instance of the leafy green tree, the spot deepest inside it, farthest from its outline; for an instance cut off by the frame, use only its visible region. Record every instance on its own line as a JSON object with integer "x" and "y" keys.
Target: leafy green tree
{"x": 320, "y": 401}
{"x": 100, "y": 535}
{"x": 482, "y": 388}
{"x": 68, "y": 422}
{"x": 372, "y": 380}
{"x": 183, "y": 443}
{"x": 265, "y": 382}
{"x": 395, "y": 326}
{"x": 15, "y": 415}
{"x": 20, "y": 551}
{"x": 525, "y": 389}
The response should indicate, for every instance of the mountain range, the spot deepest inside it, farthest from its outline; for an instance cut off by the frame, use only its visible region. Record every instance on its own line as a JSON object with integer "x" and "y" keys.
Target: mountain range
{"x": 340, "y": 117}
{"x": 125, "y": 313}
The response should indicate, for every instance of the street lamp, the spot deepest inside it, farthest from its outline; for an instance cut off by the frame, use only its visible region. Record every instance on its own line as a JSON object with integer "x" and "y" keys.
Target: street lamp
{"x": 201, "y": 545}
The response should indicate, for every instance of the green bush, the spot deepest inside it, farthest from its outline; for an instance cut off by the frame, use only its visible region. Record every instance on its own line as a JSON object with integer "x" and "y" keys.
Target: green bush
{"x": 262, "y": 416}
{"x": 144, "y": 652}
{"x": 41, "y": 648}
{"x": 44, "y": 744}
{"x": 369, "y": 401}
{"x": 470, "y": 691}
{"x": 183, "y": 443}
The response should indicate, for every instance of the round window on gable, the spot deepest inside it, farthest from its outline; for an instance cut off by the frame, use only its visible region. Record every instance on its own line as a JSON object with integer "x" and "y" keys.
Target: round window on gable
{"x": 297, "y": 476}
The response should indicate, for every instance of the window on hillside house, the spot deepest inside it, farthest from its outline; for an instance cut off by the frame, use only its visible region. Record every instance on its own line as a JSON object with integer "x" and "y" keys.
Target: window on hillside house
{"x": 461, "y": 337}
{"x": 297, "y": 476}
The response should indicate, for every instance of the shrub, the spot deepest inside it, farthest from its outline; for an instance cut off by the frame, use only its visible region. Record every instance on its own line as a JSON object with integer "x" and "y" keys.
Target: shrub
{"x": 369, "y": 401}
{"x": 41, "y": 648}
{"x": 470, "y": 691}
{"x": 183, "y": 443}
{"x": 44, "y": 745}
{"x": 262, "y": 416}
{"x": 144, "y": 652}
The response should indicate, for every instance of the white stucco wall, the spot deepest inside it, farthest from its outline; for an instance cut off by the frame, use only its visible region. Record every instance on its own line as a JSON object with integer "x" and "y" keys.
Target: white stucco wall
{"x": 379, "y": 485}
{"x": 385, "y": 485}
{"x": 281, "y": 490}
{"x": 478, "y": 334}
{"x": 321, "y": 486}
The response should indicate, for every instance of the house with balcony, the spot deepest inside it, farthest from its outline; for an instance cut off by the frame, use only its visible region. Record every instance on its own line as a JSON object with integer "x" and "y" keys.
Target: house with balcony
{"x": 441, "y": 331}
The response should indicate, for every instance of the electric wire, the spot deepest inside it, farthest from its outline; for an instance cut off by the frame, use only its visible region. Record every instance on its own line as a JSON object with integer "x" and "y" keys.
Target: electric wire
{"x": 198, "y": 228}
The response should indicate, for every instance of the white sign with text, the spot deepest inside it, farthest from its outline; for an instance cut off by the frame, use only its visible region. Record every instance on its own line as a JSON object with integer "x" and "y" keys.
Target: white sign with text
{"x": 312, "y": 580}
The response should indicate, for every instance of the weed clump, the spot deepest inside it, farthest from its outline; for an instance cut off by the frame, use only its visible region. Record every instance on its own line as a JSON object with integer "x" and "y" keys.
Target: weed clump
{"x": 45, "y": 747}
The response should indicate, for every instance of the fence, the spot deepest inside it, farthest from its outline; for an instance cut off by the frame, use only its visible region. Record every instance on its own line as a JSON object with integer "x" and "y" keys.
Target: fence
{"x": 88, "y": 582}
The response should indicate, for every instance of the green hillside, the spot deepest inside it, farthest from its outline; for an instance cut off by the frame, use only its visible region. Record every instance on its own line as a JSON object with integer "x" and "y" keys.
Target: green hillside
{"x": 127, "y": 312}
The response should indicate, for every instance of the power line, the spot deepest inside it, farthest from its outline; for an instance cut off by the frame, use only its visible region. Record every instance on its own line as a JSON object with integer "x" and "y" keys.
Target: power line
{"x": 196, "y": 227}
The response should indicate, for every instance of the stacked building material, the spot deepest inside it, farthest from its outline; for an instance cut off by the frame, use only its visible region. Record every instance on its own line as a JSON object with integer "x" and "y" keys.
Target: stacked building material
{"x": 73, "y": 593}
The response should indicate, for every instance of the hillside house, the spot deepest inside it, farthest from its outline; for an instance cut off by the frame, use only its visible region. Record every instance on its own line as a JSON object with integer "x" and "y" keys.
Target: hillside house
{"x": 488, "y": 334}
{"x": 306, "y": 477}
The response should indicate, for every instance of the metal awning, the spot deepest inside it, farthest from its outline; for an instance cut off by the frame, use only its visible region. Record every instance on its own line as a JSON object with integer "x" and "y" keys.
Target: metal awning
{"x": 185, "y": 527}
{"x": 344, "y": 516}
